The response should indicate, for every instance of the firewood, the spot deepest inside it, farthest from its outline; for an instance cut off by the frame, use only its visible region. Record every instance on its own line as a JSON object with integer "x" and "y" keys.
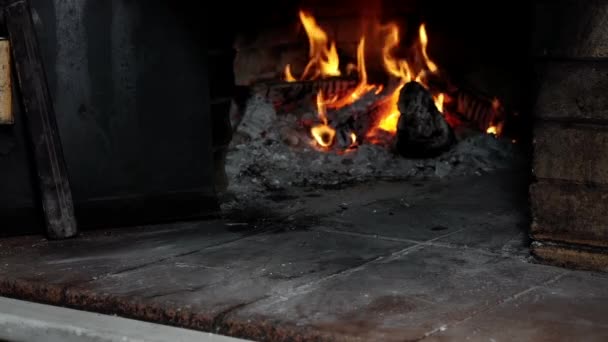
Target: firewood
{"x": 422, "y": 130}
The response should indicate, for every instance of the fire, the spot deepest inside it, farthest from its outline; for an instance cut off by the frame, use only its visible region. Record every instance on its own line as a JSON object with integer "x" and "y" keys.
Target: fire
{"x": 323, "y": 134}
{"x": 424, "y": 41}
{"x": 362, "y": 87}
{"x": 439, "y": 101}
{"x": 495, "y": 129}
{"x": 401, "y": 69}
{"x": 396, "y": 67}
{"x": 288, "y": 76}
{"x": 324, "y": 60}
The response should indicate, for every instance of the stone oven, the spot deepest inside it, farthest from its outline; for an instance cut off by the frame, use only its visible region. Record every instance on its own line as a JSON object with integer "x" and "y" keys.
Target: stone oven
{"x": 510, "y": 85}
{"x": 300, "y": 170}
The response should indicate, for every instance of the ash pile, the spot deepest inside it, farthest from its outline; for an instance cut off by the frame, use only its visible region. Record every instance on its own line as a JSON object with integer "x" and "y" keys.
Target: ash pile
{"x": 271, "y": 152}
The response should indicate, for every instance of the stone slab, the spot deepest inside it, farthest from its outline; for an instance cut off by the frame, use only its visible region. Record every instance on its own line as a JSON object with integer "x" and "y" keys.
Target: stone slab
{"x": 487, "y": 212}
{"x": 571, "y": 309}
{"x": 98, "y": 253}
{"x": 193, "y": 289}
{"x": 398, "y": 299}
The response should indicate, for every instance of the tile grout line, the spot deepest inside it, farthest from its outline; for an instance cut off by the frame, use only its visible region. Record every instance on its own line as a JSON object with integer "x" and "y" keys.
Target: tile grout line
{"x": 430, "y": 242}
{"x": 500, "y": 302}
{"x": 305, "y": 288}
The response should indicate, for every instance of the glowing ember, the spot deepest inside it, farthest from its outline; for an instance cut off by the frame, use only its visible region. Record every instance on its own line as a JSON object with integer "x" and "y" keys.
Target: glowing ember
{"x": 353, "y": 139}
{"x": 323, "y": 134}
{"x": 495, "y": 129}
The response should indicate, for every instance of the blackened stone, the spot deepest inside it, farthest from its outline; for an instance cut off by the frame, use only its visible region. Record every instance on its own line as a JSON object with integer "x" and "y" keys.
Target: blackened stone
{"x": 421, "y": 131}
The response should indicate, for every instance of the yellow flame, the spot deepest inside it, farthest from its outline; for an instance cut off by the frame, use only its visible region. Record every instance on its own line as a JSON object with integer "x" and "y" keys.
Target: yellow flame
{"x": 439, "y": 101}
{"x": 288, "y": 76}
{"x": 362, "y": 87}
{"x": 323, "y": 134}
{"x": 399, "y": 68}
{"x": 390, "y": 115}
{"x": 323, "y": 61}
{"x": 495, "y": 129}
{"x": 353, "y": 138}
{"x": 424, "y": 41}
{"x": 396, "y": 67}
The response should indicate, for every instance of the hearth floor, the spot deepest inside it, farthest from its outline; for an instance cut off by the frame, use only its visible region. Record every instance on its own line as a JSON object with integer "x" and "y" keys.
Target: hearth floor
{"x": 428, "y": 260}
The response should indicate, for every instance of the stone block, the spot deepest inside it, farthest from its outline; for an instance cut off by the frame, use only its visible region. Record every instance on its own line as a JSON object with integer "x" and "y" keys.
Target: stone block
{"x": 569, "y": 213}
{"x": 571, "y": 257}
{"x": 575, "y": 153}
{"x": 571, "y": 29}
{"x": 573, "y": 91}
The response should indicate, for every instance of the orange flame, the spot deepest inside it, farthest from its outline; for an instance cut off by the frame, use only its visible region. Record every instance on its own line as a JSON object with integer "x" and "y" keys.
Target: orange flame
{"x": 288, "y": 76}
{"x": 401, "y": 69}
{"x": 424, "y": 41}
{"x": 439, "y": 101}
{"x": 323, "y": 134}
{"x": 324, "y": 60}
{"x": 362, "y": 87}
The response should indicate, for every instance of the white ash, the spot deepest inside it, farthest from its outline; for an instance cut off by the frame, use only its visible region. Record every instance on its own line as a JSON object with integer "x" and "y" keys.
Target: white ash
{"x": 279, "y": 157}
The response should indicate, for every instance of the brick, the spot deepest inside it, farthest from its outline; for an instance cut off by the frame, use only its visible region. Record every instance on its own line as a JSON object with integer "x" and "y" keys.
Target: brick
{"x": 573, "y": 91}
{"x": 571, "y": 29}
{"x": 575, "y": 153}
{"x": 569, "y": 213}
{"x": 572, "y": 257}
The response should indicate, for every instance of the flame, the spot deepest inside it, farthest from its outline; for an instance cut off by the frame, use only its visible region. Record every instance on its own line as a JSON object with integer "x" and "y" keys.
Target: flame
{"x": 396, "y": 67}
{"x": 323, "y": 134}
{"x": 424, "y": 41}
{"x": 288, "y": 76}
{"x": 401, "y": 69}
{"x": 495, "y": 129}
{"x": 439, "y": 101}
{"x": 324, "y": 61}
{"x": 362, "y": 87}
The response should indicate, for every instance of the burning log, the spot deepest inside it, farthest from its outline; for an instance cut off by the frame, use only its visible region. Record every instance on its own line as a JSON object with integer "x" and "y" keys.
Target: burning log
{"x": 286, "y": 96}
{"x": 422, "y": 130}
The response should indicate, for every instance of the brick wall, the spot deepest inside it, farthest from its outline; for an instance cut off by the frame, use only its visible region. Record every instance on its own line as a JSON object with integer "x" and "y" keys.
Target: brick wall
{"x": 569, "y": 198}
